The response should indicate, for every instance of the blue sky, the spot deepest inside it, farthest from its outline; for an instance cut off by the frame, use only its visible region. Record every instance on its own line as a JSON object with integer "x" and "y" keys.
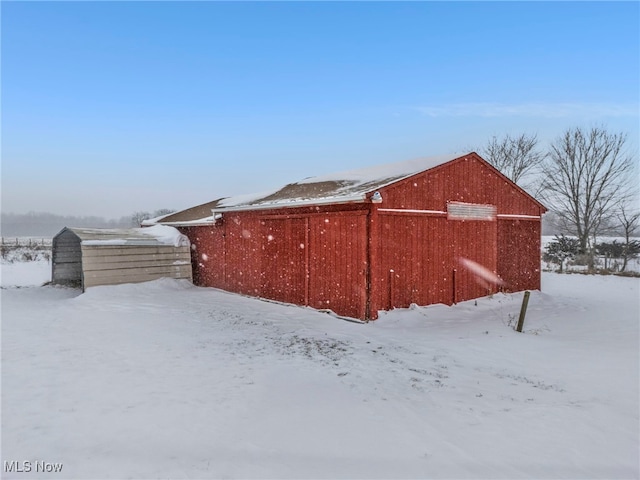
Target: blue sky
{"x": 114, "y": 107}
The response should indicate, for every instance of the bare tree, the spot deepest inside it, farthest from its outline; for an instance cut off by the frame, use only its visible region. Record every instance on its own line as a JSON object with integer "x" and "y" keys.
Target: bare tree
{"x": 585, "y": 175}
{"x": 515, "y": 157}
{"x": 630, "y": 222}
{"x": 138, "y": 217}
{"x": 162, "y": 211}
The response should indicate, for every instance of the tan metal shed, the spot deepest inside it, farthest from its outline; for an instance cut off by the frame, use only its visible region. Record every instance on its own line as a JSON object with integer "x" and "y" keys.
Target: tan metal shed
{"x": 86, "y": 257}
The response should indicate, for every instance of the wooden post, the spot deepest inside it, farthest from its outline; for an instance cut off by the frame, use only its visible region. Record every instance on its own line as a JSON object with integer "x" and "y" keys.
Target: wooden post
{"x": 523, "y": 310}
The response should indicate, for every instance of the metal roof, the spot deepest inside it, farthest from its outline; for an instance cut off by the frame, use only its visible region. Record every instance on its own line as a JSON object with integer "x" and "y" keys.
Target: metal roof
{"x": 152, "y": 236}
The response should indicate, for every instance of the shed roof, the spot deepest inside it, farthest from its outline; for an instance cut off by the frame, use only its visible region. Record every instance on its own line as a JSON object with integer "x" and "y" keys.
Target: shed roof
{"x": 342, "y": 187}
{"x": 148, "y": 236}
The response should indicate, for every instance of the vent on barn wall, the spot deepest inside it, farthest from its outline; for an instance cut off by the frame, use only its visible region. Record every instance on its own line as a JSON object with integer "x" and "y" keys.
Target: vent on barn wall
{"x": 217, "y": 218}
{"x": 470, "y": 211}
{"x": 376, "y": 197}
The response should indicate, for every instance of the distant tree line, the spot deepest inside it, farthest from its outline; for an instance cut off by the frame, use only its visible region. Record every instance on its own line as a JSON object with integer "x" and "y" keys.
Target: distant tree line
{"x": 138, "y": 217}
{"x": 43, "y": 224}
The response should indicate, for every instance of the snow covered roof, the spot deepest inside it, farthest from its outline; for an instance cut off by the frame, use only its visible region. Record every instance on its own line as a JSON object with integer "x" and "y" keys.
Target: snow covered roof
{"x": 193, "y": 215}
{"x": 154, "y": 220}
{"x": 342, "y": 187}
{"x": 151, "y": 236}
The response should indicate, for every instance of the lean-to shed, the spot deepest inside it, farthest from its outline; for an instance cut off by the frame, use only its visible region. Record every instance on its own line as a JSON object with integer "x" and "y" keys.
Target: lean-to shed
{"x": 433, "y": 230}
{"x": 86, "y": 257}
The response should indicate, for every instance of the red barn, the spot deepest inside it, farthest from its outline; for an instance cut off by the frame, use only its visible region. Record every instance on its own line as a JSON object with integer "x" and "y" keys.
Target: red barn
{"x": 433, "y": 230}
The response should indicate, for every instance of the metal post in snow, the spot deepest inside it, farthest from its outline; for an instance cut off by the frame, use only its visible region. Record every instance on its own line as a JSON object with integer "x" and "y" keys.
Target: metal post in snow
{"x": 523, "y": 310}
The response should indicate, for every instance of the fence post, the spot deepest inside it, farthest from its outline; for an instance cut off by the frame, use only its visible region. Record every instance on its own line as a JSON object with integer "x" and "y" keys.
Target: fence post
{"x": 523, "y": 310}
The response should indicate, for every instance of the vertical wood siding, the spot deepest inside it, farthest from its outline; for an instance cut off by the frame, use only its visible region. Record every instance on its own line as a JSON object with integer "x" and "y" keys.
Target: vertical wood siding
{"x": 358, "y": 259}
{"x": 207, "y": 255}
{"x": 475, "y": 241}
{"x": 412, "y": 266}
{"x": 284, "y": 260}
{"x": 338, "y": 263}
{"x": 519, "y": 254}
{"x": 467, "y": 180}
{"x": 424, "y": 250}
{"x": 317, "y": 259}
{"x": 419, "y": 253}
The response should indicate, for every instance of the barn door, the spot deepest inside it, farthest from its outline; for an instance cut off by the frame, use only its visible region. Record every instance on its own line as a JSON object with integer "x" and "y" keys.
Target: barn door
{"x": 284, "y": 260}
{"x": 338, "y": 263}
{"x": 414, "y": 263}
{"x": 474, "y": 243}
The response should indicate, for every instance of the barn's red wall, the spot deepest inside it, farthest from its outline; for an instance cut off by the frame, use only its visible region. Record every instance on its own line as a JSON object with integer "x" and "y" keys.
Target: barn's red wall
{"x": 284, "y": 260}
{"x": 469, "y": 180}
{"x": 424, "y": 249}
{"x": 317, "y": 257}
{"x": 338, "y": 263}
{"x": 417, "y": 256}
{"x": 519, "y": 254}
{"x": 356, "y": 259}
{"x": 412, "y": 267}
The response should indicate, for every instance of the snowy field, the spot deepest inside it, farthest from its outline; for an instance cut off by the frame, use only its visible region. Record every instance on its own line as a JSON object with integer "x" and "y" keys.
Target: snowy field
{"x": 167, "y": 380}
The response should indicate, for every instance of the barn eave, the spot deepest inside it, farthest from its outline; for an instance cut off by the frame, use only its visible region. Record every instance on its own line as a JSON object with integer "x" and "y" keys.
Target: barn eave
{"x": 359, "y": 198}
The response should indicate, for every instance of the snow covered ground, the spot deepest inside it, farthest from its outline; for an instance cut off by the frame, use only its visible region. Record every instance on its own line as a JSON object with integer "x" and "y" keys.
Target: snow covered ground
{"x": 167, "y": 380}
{"x": 25, "y": 274}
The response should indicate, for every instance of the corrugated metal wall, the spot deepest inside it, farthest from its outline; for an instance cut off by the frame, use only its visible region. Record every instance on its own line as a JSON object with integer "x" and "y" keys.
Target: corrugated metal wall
{"x": 77, "y": 264}
{"x": 111, "y": 265}
{"x": 66, "y": 261}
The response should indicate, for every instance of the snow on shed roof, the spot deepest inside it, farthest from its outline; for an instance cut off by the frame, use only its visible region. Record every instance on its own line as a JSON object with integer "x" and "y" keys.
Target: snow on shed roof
{"x": 342, "y": 187}
{"x": 151, "y": 236}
